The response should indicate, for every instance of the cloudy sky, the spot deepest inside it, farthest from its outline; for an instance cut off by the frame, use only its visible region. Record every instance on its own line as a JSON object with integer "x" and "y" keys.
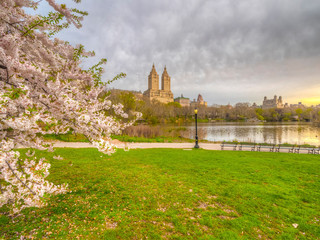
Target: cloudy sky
{"x": 226, "y": 50}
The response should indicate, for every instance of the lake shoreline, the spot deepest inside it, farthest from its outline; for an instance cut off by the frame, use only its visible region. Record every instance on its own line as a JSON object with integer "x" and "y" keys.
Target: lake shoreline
{"x": 294, "y": 133}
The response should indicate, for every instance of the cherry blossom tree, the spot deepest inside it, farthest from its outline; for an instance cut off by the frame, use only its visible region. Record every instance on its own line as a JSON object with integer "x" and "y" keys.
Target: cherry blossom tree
{"x": 43, "y": 90}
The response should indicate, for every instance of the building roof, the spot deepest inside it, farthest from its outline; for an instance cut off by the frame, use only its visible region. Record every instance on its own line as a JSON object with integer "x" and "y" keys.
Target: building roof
{"x": 200, "y": 98}
{"x": 181, "y": 98}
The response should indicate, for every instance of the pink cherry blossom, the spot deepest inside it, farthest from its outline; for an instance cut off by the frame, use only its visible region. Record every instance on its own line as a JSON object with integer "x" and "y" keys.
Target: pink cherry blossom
{"x": 44, "y": 90}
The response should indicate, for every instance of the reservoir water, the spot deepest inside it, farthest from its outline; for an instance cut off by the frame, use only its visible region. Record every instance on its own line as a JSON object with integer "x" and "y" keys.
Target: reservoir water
{"x": 274, "y": 133}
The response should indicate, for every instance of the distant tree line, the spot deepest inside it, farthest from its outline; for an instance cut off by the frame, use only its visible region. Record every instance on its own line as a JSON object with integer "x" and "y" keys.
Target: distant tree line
{"x": 154, "y": 112}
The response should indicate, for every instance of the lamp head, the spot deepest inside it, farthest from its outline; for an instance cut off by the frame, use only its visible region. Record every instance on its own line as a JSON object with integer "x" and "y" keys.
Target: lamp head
{"x": 196, "y": 111}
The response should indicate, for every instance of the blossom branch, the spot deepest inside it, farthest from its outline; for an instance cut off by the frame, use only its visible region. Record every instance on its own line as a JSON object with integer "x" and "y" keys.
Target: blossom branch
{"x": 51, "y": 93}
{"x": 20, "y": 179}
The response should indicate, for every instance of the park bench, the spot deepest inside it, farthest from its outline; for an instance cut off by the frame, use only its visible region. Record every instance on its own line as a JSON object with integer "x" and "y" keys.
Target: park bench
{"x": 270, "y": 147}
{"x": 277, "y": 148}
{"x": 289, "y": 148}
{"x": 245, "y": 146}
{"x": 310, "y": 150}
{"x": 229, "y": 145}
{"x": 253, "y": 148}
{"x": 316, "y": 150}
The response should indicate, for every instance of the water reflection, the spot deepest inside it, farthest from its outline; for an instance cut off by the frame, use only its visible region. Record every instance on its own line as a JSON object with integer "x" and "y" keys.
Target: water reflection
{"x": 292, "y": 133}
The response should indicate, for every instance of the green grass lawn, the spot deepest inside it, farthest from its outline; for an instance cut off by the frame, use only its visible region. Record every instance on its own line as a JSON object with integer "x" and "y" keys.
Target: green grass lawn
{"x": 177, "y": 194}
{"x": 122, "y": 138}
{"x": 160, "y": 139}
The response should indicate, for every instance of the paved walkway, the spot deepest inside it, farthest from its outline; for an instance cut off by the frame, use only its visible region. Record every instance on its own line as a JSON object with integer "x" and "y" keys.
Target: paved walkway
{"x": 207, "y": 146}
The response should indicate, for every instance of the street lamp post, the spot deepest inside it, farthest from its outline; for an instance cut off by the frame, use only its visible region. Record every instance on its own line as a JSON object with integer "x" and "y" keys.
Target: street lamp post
{"x": 196, "y": 119}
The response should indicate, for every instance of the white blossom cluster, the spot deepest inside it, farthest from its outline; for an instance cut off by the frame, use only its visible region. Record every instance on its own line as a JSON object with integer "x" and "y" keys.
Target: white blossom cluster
{"x": 43, "y": 90}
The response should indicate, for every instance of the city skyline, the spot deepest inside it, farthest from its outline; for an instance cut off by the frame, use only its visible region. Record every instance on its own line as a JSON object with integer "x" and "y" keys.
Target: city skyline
{"x": 229, "y": 51}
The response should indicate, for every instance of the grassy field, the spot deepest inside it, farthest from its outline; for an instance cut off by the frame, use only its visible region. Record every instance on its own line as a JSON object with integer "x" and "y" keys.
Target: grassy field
{"x": 122, "y": 138}
{"x": 160, "y": 139}
{"x": 177, "y": 194}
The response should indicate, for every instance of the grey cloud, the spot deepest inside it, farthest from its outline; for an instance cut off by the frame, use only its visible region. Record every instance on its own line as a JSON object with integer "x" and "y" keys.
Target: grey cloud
{"x": 229, "y": 50}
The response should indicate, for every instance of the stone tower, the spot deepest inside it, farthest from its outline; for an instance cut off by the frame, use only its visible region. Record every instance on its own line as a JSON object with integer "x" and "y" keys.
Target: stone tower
{"x": 153, "y": 79}
{"x": 272, "y": 103}
{"x": 165, "y": 80}
{"x": 153, "y": 92}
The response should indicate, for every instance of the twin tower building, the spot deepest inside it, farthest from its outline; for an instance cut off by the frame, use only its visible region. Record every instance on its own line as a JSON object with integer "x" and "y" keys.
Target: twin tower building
{"x": 164, "y": 94}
